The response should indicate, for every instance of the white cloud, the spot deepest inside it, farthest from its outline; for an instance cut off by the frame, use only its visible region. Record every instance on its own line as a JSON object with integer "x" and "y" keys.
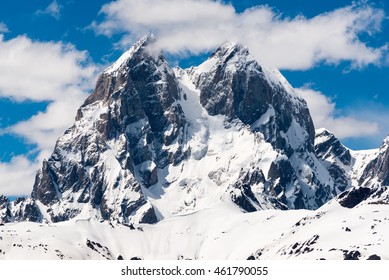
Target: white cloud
{"x": 323, "y": 112}
{"x": 196, "y": 26}
{"x": 53, "y": 9}
{"x": 44, "y": 128}
{"x": 17, "y": 176}
{"x": 3, "y": 28}
{"x": 41, "y": 71}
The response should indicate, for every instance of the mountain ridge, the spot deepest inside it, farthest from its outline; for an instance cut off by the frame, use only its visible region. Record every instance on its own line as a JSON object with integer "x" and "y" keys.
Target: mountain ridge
{"x": 140, "y": 138}
{"x": 171, "y": 163}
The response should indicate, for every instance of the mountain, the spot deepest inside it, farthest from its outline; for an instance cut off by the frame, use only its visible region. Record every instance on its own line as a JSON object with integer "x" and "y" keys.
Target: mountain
{"x": 335, "y": 157}
{"x": 377, "y": 171}
{"x": 363, "y": 173}
{"x": 21, "y": 209}
{"x": 151, "y": 142}
{"x": 168, "y": 146}
{"x": 373, "y": 182}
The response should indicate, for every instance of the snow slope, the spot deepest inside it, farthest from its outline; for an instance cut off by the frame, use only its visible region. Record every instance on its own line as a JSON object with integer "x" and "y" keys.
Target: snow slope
{"x": 218, "y": 156}
{"x": 220, "y": 232}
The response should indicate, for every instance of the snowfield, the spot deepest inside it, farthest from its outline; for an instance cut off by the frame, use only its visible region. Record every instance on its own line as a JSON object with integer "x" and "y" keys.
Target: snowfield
{"x": 221, "y": 232}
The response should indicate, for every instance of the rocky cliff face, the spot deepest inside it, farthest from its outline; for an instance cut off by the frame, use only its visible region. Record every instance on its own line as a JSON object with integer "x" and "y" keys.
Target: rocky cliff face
{"x": 335, "y": 157}
{"x": 372, "y": 184}
{"x": 237, "y": 87}
{"x": 152, "y": 142}
{"x": 120, "y": 138}
{"x": 377, "y": 171}
{"x": 360, "y": 175}
{"x": 21, "y": 209}
{"x": 231, "y": 83}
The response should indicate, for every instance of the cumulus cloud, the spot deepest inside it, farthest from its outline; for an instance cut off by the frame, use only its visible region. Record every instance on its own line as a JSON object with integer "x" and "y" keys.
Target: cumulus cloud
{"x": 53, "y": 9}
{"x": 195, "y": 26}
{"x": 3, "y": 28}
{"x": 17, "y": 176}
{"x": 323, "y": 112}
{"x": 41, "y": 71}
{"x": 44, "y": 128}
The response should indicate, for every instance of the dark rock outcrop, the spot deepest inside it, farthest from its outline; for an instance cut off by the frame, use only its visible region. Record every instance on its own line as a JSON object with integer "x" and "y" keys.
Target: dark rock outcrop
{"x": 126, "y": 125}
{"x": 240, "y": 88}
{"x": 373, "y": 184}
{"x": 335, "y": 157}
{"x": 5, "y": 213}
{"x": 20, "y": 209}
{"x": 353, "y": 197}
{"x": 374, "y": 257}
{"x": 378, "y": 169}
{"x": 351, "y": 255}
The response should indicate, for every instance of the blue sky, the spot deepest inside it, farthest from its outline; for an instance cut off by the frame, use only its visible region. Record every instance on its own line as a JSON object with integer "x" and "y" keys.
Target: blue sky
{"x": 335, "y": 53}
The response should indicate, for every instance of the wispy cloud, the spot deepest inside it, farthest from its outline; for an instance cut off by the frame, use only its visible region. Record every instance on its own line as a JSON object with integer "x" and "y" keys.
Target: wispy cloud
{"x": 53, "y": 9}
{"x": 323, "y": 112}
{"x": 41, "y": 70}
{"x": 17, "y": 176}
{"x": 192, "y": 26}
{"x": 3, "y": 28}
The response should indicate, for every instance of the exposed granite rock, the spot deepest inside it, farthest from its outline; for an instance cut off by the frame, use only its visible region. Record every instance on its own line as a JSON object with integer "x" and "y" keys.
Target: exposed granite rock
{"x": 5, "y": 213}
{"x": 240, "y": 88}
{"x": 26, "y": 209}
{"x": 354, "y": 196}
{"x": 335, "y": 157}
{"x": 127, "y": 125}
{"x": 374, "y": 257}
{"x": 327, "y": 146}
{"x": 20, "y": 209}
{"x": 377, "y": 171}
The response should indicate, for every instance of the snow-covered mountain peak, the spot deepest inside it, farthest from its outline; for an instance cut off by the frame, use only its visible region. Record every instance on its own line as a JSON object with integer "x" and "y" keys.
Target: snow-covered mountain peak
{"x": 193, "y": 149}
{"x": 235, "y": 57}
{"x": 376, "y": 173}
{"x": 386, "y": 141}
{"x": 323, "y": 132}
{"x": 233, "y": 84}
{"x": 328, "y": 146}
{"x": 228, "y": 47}
{"x": 232, "y": 56}
{"x": 151, "y": 142}
{"x": 232, "y": 53}
{"x": 138, "y": 46}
